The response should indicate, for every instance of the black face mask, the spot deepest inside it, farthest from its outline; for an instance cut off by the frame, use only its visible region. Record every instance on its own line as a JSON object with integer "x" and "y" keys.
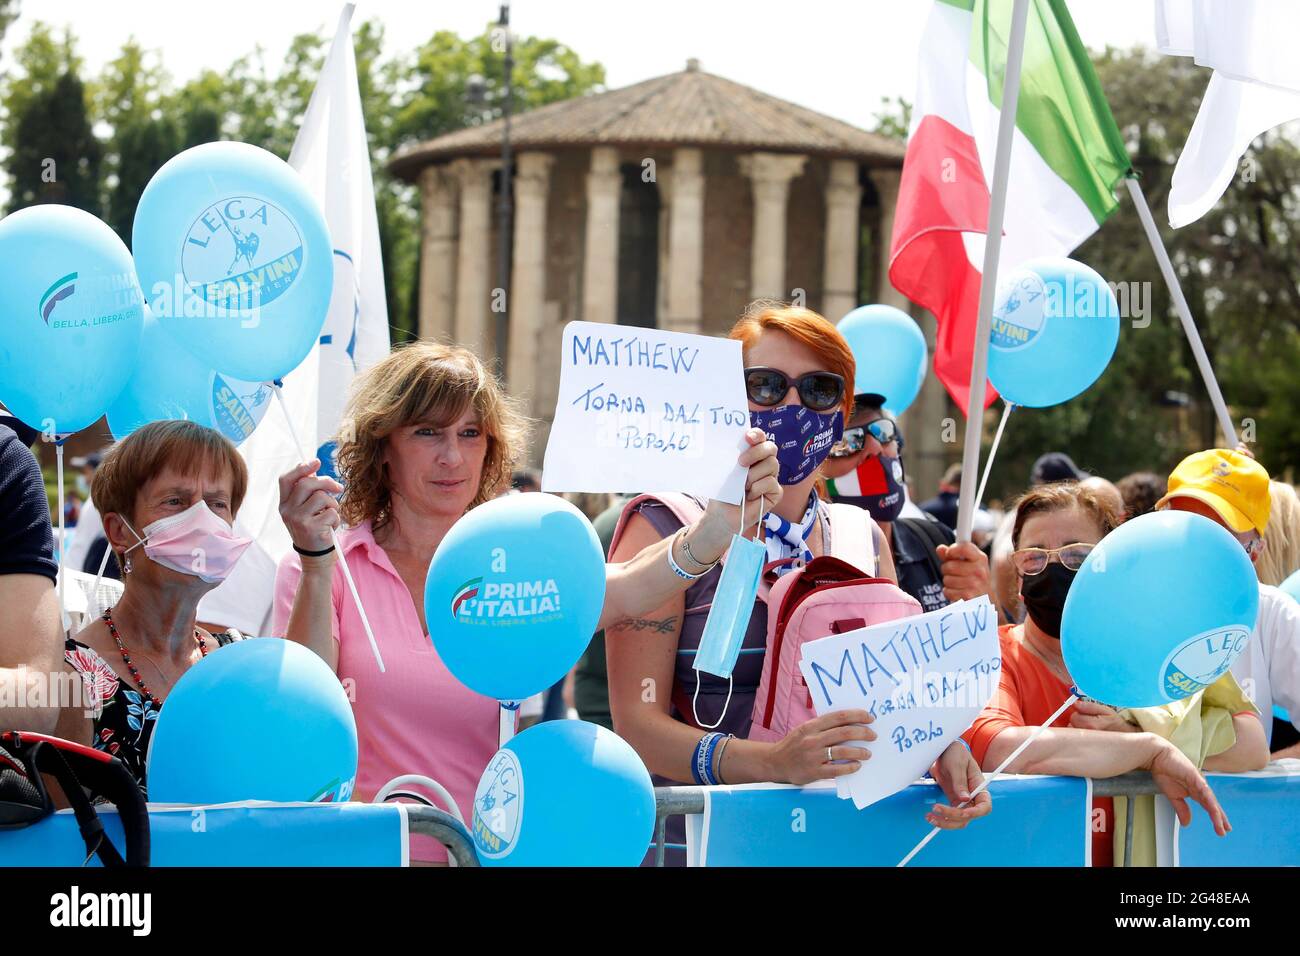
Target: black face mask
{"x": 1044, "y": 596}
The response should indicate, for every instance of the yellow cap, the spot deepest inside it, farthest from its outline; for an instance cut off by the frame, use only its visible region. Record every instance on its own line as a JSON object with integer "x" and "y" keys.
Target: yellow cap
{"x": 1233, "y": 484}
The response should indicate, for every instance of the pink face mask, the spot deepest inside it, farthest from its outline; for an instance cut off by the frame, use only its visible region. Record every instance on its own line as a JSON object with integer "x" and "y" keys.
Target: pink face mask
{"x": 193, "y": 542}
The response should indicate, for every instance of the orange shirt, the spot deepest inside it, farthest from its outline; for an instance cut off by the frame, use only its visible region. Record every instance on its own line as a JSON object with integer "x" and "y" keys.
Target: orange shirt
{"x": 1028, "y": 693}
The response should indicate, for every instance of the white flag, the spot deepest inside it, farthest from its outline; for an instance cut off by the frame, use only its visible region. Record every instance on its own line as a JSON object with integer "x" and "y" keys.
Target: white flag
{"x": 1255, "y": 87}
{"x": 333, "y": 158}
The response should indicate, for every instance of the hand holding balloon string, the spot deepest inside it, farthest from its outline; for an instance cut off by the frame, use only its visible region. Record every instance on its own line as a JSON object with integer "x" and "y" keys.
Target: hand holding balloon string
{"x": 333, "y": 534}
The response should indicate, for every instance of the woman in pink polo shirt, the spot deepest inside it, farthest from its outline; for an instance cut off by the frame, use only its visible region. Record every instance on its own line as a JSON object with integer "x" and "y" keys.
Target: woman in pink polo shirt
{"x": 428, "y": 435}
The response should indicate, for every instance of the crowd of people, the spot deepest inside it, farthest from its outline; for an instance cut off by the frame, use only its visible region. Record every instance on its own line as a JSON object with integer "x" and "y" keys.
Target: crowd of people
{"x": 431, "y": 434}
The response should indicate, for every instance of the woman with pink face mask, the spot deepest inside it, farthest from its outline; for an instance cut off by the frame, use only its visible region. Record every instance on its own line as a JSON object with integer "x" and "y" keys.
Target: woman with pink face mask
{"x": 168, "y": 493}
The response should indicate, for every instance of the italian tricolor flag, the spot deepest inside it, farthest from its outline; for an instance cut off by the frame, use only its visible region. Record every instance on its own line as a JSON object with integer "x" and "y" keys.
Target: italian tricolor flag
{"x": 1066, "y": 159}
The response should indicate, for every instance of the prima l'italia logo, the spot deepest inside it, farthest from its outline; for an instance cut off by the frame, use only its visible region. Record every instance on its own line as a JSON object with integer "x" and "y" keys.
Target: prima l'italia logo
{"x": 466, "y": 592}
{"x": 55, "y": 294}
{"x": 241, "y": 253}
{"x": 505, "y": 602}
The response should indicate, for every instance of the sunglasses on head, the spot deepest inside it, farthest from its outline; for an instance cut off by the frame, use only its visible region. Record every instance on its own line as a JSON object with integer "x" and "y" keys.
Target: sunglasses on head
{"x": 855, "y": 438}
{"x": 819, "y": 391}
{"x": 1033, "y": 561}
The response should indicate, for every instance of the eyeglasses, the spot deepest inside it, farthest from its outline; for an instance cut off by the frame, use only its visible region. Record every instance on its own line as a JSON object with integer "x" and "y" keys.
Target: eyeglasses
{"x": 1252, "y": 541}
{"x": 819, "y": 391}
{"x": 1033, "y": 561}
{"x": 855, "y": 439}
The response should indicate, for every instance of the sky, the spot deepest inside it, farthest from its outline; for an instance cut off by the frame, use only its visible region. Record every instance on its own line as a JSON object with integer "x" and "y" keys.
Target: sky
{"x": 839, "y": 57}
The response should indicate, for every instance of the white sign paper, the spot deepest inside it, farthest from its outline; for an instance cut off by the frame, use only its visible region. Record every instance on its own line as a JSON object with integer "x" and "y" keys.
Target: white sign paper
{"x": 924, "y": 679}
{"x": 644, "y": 410}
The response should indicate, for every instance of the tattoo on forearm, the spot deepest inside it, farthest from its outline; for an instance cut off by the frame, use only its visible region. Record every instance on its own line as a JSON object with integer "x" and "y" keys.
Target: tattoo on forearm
{"x": 664, "y": 626}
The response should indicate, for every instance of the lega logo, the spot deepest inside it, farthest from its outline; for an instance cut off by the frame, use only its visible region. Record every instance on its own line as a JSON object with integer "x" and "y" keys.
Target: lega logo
{"x": 1018, "y": 314}
{"x": 237, "y": 406}
{"x": 499, "y": 806}
{"x": 1202, "y": 660}
{"x": 242, "y": 252}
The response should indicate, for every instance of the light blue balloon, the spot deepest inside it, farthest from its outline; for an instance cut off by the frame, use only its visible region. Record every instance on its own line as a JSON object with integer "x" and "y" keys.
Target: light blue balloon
{"x": 514, "y": 594}
{"x": 70, "y": 317}
{"x": 564, "y": 793}
{"x": 235, "y": 259}
{"x": 261, "y": 719}
{"x": 1159, "y": 610}
{"x": 1291, "y": 586}
{"x": 171, "y": 383}
{"x": 889, "y": 351}
{"x": 1055, "y": 328}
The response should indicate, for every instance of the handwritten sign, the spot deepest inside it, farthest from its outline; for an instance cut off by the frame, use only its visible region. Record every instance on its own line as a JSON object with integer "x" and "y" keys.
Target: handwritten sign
{"x": 643, "y": 410}
{"x": 923, "y": 678}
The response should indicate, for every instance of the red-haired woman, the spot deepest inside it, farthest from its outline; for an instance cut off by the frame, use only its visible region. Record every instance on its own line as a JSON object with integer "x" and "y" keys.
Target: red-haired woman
{"x": 797, "y": 367}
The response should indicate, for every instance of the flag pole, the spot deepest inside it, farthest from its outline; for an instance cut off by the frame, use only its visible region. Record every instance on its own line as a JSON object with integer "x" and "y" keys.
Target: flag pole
{"x": 989, "y": 275}
{"x": 1184, "y": 312}
{"x": 993, "y": 452}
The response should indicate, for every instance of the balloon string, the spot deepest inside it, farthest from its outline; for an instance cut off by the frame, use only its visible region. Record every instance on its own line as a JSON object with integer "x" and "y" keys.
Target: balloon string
{"x": 509, "y": 712}
{"x": 993, "y": 450}
{"x": 334, "y": 537}
{"x": 64, "y": 622}
{"x": 1069, "y": 702}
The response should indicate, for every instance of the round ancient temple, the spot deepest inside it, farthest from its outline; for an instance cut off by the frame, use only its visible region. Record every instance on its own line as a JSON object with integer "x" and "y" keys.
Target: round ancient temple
{"x": 671, "y": 203}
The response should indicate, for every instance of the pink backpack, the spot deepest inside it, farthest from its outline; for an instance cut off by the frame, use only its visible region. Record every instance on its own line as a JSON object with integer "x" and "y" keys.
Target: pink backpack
{"x": 828, "y": 596}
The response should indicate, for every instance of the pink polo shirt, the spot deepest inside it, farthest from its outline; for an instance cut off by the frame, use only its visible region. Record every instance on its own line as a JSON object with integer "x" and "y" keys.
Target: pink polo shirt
{"x": 415, "y": 717}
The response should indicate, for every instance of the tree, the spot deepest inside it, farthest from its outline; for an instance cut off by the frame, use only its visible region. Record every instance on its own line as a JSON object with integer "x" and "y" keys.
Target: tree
{"x": 53, "y": 155}
{"x": 406, "y": 97}
{"x": 130, "y": 98}
{"x": 8, "y": 13}
{"x": 428, "y": 95}
{"x": 1239, "y": 267}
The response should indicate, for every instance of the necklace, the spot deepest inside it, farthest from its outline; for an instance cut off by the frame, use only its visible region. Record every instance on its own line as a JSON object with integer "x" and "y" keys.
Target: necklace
{"x": 131, "y": 668}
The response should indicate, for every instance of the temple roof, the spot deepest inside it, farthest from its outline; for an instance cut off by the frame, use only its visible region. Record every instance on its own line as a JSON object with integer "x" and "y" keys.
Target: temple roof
{"x": 690, "y": 108}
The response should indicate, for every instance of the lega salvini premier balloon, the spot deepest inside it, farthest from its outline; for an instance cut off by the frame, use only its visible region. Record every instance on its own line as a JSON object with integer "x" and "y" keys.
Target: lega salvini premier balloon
{"x": 70, "y": 317}
{"x": 169, "y": 382}
{"x": 514, "y": 593}
{"x": 564, "y": 793}
{"x": 889, "y": 352}
{"x": 1055, "y": 328}
{"x": 235, "y": 259}
{"x": 261, "y": 719}
{"x": 1159, "y": 610}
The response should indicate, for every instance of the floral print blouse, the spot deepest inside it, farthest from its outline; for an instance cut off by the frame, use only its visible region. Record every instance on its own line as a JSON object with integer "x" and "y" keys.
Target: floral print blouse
{"x": 124, "y": 717}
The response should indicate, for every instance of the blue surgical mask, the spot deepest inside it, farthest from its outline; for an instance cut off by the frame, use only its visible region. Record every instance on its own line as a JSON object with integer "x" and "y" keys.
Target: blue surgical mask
{"x": 728, "y": 620}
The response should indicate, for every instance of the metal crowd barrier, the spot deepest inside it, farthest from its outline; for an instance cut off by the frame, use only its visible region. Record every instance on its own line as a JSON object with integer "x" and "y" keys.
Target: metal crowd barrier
{"x": 675, "y": 801}
{"x": 446, "y": 829}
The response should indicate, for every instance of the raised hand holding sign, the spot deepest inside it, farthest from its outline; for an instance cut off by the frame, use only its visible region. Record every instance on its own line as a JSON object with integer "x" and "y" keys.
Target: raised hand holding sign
{"x": 643, "y": 410}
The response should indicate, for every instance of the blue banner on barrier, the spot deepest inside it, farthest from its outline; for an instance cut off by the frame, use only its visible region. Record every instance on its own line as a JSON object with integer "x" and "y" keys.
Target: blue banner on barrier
{"x": 235, "y": 834}
{"x": 1036, "y": 821}
{"x": 1264, "y": 810}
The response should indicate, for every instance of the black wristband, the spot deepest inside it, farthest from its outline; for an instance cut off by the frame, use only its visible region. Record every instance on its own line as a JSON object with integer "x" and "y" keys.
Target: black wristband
{"x": 313, "y": 554}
